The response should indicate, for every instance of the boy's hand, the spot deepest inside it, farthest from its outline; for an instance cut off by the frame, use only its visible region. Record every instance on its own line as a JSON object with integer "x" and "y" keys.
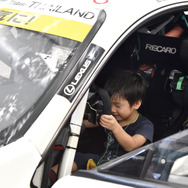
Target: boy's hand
{"x": 108, "y": 122}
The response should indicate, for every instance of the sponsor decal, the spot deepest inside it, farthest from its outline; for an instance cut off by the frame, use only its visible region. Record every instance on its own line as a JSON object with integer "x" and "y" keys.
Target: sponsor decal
{"x": 86, "y": 65}
{"x": 65, "y": 9}
{"x": 70, "y": 89}
{"x": 161, "y": 49}
{"x": 159, "y": 1}
{"x": 100, "y": 1}
{"x": 51, "y": 61}
{"x": 62, "y": 10}
{"x": 93, "y": 54}
{"x": 45, "y": 23}
{"x": 10, "y": 16}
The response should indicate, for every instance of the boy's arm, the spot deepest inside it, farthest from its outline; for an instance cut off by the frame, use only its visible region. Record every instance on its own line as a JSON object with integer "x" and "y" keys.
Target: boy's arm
{"x": 128, "y": 142}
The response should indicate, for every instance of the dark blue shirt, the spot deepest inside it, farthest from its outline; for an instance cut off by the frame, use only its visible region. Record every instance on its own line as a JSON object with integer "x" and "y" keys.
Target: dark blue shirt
{"x": 141, "y": 126}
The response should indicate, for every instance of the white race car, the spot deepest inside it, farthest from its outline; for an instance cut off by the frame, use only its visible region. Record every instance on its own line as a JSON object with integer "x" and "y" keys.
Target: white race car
{"x": 53, "y": 53}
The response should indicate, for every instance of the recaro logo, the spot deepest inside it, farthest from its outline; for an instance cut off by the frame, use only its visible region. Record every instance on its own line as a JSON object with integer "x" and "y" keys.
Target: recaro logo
{"x": 160, "y": 49}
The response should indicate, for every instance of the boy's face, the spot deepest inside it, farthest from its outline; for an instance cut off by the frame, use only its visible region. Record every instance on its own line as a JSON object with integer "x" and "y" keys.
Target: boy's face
{"x": 122, "y": 110}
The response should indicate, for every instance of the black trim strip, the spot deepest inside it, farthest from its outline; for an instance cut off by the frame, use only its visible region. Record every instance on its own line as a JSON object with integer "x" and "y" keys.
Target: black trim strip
{"x": 69, "y": 147}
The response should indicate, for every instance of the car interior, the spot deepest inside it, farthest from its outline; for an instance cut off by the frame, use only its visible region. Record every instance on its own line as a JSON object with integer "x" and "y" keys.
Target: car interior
{"x": 165, "y": 104}
{"x": 157, "y": 51}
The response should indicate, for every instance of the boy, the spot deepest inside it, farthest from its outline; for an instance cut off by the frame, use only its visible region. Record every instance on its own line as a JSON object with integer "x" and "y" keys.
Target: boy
{"x": 126, "y": 129}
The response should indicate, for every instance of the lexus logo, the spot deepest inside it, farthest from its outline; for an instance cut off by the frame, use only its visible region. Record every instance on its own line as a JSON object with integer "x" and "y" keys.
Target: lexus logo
{"x": 69, "y": 89}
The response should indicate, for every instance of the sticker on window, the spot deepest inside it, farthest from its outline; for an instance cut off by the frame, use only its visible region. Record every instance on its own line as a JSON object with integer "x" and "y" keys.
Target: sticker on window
{"x": 44, "y": 23}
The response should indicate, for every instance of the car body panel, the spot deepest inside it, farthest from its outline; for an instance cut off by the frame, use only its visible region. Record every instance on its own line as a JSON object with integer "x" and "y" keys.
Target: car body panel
{"x": 130, "y": 18}
{"x": 19, "y": 164}
{"x": 84, "y": 181}
{"x": 42, "y": 128}
{"x": 164, "y": 162}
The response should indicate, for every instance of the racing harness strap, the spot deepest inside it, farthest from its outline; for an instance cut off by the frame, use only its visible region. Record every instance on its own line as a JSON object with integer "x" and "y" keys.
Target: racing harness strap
{"x": 179, "y": 89}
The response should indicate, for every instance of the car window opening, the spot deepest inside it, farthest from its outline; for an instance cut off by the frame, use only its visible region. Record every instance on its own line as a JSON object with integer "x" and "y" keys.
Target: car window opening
{"x": 165, "y": 103}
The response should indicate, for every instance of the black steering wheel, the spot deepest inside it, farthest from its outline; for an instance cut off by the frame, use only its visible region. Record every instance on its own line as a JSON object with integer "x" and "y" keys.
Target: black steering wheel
{"x": 98, "y": 103}
{"x": 104, "y": 96}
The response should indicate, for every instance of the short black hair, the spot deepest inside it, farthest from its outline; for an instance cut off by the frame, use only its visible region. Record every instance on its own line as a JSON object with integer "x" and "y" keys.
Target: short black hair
{"x": 127, "y": 84}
